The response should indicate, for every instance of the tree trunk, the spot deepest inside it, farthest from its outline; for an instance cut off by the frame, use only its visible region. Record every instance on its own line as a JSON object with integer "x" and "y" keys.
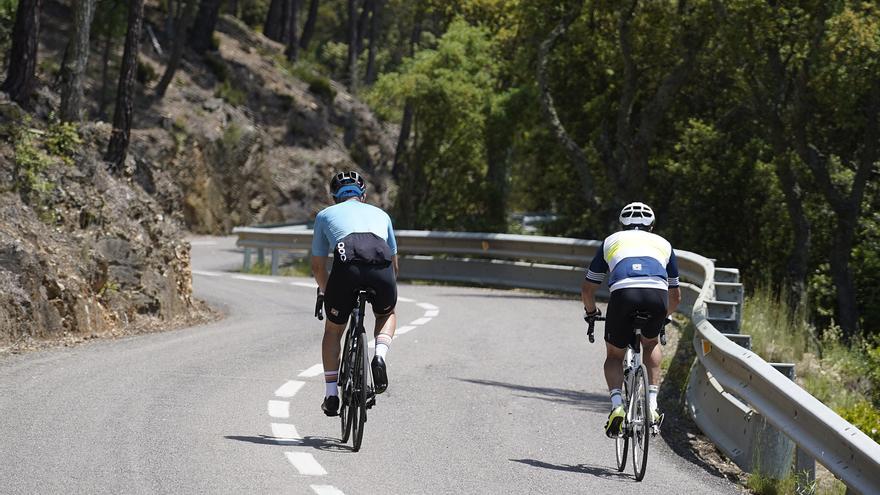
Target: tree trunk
{"x": 366, "y": 11}
{"x": 399, "y": 165}
{"x": 292, "y": 51}
{"x": 575, "y": 153}
{"x": 202, "y": 32}
{"x": 75, "y": 66}
{"x": 21, "y": 75}
{"x": 375, "y": 27}
{"x": 351, "y": 64}
{"x": 181, "y": 24}
{"x": 272, "y": 28}
{"x": 105, "y": 76}
{"x": 309, "y": 27}
{"x": 233, "y": 7}
{"x": 122, "y": 116}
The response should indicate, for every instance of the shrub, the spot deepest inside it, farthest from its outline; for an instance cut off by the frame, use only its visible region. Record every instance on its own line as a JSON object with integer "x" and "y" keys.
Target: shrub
{"x": 230, "y": 93}
{"x": 145, "y": 73}
{"x": 217, "y": 66}
{"x": 63, "y": 140}
{"x": 865, "y": 417}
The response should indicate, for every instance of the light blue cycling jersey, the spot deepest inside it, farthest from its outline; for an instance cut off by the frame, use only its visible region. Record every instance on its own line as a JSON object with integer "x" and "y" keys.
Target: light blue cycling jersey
{"x": 635, "y": 259}
{"x": 337, "y": 221}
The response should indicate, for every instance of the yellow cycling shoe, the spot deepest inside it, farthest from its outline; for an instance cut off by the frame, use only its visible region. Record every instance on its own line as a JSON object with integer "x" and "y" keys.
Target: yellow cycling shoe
{"x": 615, "y": 419}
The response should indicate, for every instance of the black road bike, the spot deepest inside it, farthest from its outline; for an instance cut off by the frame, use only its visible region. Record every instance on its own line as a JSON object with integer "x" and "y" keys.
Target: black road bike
{"x": 357, "y": 391}
{"x": 638, "y": 424}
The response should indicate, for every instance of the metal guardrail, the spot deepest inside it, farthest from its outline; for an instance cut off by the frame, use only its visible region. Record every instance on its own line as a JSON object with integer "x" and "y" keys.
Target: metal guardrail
{"x": 733, "y": 394}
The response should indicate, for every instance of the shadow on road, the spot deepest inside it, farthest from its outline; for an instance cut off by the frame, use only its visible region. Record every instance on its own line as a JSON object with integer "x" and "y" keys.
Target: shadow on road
{"x": 320, "y": 443}
{"x": 598, "y": 471}
{"x": 586, "y": 401}
{"x": 513, "y": 295}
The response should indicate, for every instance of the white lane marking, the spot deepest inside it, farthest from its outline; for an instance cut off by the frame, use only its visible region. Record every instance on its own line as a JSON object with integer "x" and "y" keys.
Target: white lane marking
{"x": 427, "y": 306}
{"x": 405, "y": 299}
{"x": 256, "y": 279}
{"x": 285, "y": 432}
{"x": 206, "y": 273}
{"x": 315, "y": 370}
{"x": 432, "y": 313}
{"x": 311, "y": 285}
{"x": 289, "y": 389}
{"x": 278, "y": 408}
{"x": 403, "y": 330}
{"x": 305, "y": 463}
{"x": 326, "y": 490}
{"x": 420, "y": 321}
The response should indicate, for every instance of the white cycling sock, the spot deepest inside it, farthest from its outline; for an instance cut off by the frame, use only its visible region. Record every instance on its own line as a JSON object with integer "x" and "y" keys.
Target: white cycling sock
{"x": 652, "y": 396}
{"x": 383, "y": 342}
{"x": 616, "y": 399}
{"x": 330, "y": 386}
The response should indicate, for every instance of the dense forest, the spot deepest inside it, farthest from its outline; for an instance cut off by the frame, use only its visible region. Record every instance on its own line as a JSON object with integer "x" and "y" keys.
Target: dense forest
{"x": 751, "y": 126}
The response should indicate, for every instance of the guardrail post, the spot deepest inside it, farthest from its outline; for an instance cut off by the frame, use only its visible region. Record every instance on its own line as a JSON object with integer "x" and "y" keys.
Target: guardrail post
{"x": 261, "y": 256}
{"x": 773, "y": 449}
{"x": 805, "y": 468}
{"x": 274, "y": 262}
{"x": 246, "y": 264}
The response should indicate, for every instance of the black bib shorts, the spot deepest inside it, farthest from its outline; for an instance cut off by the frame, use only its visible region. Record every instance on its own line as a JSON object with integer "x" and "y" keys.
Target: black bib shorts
{"x": 360, "y": 260}
{"x": 621, "y": 307}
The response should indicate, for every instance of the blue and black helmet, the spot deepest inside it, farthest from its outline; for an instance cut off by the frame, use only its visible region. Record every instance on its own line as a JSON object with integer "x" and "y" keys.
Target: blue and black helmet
{"x": 347, "y": 184}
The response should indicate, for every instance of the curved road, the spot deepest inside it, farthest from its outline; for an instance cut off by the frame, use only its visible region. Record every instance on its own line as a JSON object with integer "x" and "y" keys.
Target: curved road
{"x": 490, "y": 392}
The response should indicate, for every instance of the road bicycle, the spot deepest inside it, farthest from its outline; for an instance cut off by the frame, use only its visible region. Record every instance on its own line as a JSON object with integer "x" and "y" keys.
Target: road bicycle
{"x": 357, "y": 391}
{"x": 638, "y": 425}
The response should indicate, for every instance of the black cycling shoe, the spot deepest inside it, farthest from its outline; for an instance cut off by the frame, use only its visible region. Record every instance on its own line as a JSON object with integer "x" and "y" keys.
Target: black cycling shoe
{"x": 380, "y": 376}
{"x": 330, "y": 406}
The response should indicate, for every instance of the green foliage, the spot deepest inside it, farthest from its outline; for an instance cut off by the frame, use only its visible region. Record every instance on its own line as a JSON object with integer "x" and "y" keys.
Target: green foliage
{"x": 230, "y": 93}
{"x": 453, "y": 90}
{"x": 779, "y": 334}
{"x": 63, "y": 140}
{"x": 7, "y": 20}
{"x": 217, "y": 66}
{"x": 253, "y": 12}
{"x": 864, "y": 416}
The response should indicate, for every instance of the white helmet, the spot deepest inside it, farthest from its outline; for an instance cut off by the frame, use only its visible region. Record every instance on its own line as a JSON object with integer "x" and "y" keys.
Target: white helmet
{"x": 637, "y": 214}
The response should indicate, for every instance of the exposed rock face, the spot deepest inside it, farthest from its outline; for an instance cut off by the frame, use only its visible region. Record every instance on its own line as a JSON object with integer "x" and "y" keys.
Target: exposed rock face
{"x": 87, "y": 253}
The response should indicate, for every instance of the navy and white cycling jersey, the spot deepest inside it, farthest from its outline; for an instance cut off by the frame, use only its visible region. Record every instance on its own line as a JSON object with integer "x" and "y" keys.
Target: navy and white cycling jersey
{"x": 336, "y": 222}
{"x": 635, "y": 259}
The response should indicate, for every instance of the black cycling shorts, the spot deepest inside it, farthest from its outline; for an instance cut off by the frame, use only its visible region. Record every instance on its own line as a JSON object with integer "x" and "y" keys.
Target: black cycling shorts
{"x": 621, "y": 307}
{"x": 360, "y": 260}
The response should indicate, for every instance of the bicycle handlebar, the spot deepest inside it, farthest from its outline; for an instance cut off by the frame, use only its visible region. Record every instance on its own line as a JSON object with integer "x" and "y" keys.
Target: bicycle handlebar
{"x": 590, "y": 324}
{"x": 319, "y": 305}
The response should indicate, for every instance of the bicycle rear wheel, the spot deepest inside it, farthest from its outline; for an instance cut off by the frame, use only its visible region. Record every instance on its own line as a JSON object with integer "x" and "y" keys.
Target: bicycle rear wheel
{"x": 358, "y": 408}
{"x": 641, "y": 422}
{"x": 621, "y": 443}
{"x": 346, "y": 386}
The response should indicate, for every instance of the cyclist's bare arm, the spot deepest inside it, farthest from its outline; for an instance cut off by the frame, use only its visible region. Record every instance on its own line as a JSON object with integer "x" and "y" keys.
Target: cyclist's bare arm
{"x": 319, "y": 270}
{"x": 395, "y": 264}
{"x": 588, "y": 295}
{"x": 674, "y": 299}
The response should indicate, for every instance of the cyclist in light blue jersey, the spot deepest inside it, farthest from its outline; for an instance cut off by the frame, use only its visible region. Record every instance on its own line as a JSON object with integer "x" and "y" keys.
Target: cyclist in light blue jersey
{"x": 361, "y": 238}
{"x": 643, "y": 277}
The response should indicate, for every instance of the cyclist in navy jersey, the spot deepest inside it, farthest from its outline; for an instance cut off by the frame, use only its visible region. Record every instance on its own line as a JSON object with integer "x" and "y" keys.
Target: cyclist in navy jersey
{"x": 361, "y": 238}
{"x": 643, "y": 277}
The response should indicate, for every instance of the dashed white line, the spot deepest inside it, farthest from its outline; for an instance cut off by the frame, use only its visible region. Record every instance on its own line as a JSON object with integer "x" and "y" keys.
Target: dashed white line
{"x": 405, "y": 299}
{"x": 420, "y": 321}
{"x": 256, "y": 279}
{"x": 278, "y": 408}
{"x": 310, "y": 285}
{"x": 285, "y": 432}
{"x": 326, "y": 490}
{"x": 432, "y": 313}
{"x": 305, "y": 463}
{"x": 289, "y": 389}
{"x": 315, "y": 370}
{"x": 207, "y": 274}
{"x": 403, "y": 330}
{"x": 426, "y": 306}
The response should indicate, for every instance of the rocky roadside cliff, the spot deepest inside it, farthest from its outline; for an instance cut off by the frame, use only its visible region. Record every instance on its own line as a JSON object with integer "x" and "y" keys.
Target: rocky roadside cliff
{"x": 240, "y": 138}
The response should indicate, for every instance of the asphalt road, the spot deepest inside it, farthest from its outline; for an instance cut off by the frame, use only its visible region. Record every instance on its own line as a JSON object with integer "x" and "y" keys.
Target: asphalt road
{"x": 490, "y": 392}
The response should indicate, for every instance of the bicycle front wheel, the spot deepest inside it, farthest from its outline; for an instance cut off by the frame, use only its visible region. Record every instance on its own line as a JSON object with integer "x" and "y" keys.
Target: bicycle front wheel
{"x": 621, "y": 442}
{"x": 346, "y": 385}
{"x": 358, "y": 408}
{"x": 641, "y": 422}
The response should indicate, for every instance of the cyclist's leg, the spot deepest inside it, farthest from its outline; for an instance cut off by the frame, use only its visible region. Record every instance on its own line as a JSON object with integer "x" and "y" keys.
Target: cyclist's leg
{"x": 381, "y": 279}
{"x": 617, "y": 337}
{"x": 653, "y": 301}
{"x": 339, "y": 300}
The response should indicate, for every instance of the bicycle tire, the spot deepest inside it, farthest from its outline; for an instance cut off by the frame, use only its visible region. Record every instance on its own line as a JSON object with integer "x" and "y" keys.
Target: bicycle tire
{"x": 621, "y": 443}
{"x": 345, "y": 387}
{"x": 358, "y": 408}
{"x": 641, "y": 423}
